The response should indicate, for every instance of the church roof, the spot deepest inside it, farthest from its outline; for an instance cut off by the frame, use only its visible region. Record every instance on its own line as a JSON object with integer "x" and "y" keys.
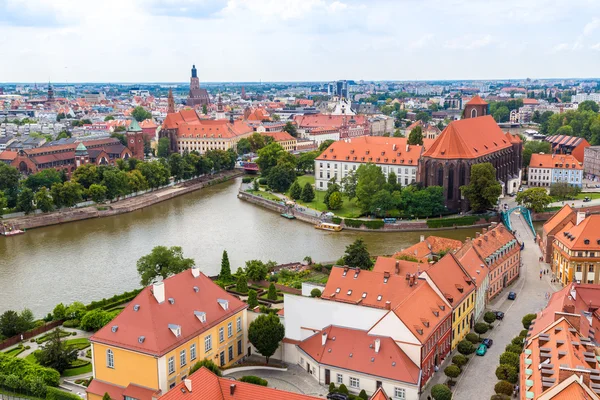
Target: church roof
{"x": 134, "y": 126}
{"x": 476, "y": 101}
{"x": 81, "y": 147}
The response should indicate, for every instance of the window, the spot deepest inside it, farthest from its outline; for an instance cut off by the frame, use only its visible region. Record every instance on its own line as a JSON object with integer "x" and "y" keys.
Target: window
{"x": 193, "y": 352}
{"x": 340, "y": 379}
{"x": 591, "y": 268}
{"x": 230, "y": 353}
{"x": 399, "y": 393}
{"x": 239, "y": 347}
{"x": 579, "y": 268}
{"x": 354, "y": 382}
{"x": 182, "y": 360}
{"x": 208, "y": 343}
{"x": 171, "y": 365}
{"x": 172, "y": 385}
{"x": 110, "y": 359}
{"x": 239, "y": 324}
{"x": 221, "y": 334}
{"x": 230, "y": 329}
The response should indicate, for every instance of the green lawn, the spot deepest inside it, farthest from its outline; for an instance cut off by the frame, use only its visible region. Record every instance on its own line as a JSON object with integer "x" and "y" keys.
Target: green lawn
{"x": 265, "y": 296}
{"x": 31, "y": 357}
{"x": 349, "y": 208}
{"x": 78, "y": 371}
{"x": 79, "y": 344}
{"x": 265, "y": 195}
{"x": 16, "y": 351}
{"x": 595, "y": 195}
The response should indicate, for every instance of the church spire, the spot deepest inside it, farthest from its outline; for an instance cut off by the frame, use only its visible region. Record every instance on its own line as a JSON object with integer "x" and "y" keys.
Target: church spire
{"x": 220, "y": 104}
{"x": 171, "y": 102}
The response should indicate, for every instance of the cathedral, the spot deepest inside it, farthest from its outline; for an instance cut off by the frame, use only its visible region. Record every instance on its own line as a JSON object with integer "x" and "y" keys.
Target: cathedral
{"x": 197, "y": 96}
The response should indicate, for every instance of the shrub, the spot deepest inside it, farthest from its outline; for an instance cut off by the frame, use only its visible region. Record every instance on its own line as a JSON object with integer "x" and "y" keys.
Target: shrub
{"x": 25, "y": 370}
{"x": 252, "y": 300}
{"x": 71, "y": 323}
{"x": 242, "y": 284}
{"x": 527, "y": 320}
{"x": 472, "y": 337}
{"x": 441, "y": 392}
{"x": 450, "y": 222}
{"x": 272, "y": 294}
{"x": 513, "y": 348}
{"x": 500, "y": 397}
{"x": 209, "y": 364}
{"x": 518, "y": 341}
{"x": 452, "y": 371}
{"x": 465, "y": 347}
{"x": 363, "y": 395}
{"x": 332, "y": 388}
{"x": 343, "y": 389}
{"x": 315, "y": 293}
{"x": 509, "y": 358}
{"x": 507, "y": 373}
{"x": 504, "y": 387}
{"x": 262, "y": 181}
{"x": 489, "y": 317}
{"x": 247, "y": 179}
{"x": 357, "y": 223}
{"x": 459, "y": 360}
{"x": 481, "y": 328}
{"x": 254, "y": 379}
{"x": 56, "y": 394}
{"x": 524, "y": 333}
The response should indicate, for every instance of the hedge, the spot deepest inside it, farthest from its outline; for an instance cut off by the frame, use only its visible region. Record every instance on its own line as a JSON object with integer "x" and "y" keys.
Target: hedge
{"x": 25, "y": 370}
{"x": 357, "y": 223}
{"x": 56, "y": 394}
{"x": 254, "y": 379}
{"x": 336, "y": 220}
{"x": 450, "y": 222}
{"x": 247, "y": 179}
{"x": 113, "y": 301}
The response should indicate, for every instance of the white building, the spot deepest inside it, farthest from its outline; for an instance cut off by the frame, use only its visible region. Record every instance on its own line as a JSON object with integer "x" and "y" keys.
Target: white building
{"x": 546, "y": 169}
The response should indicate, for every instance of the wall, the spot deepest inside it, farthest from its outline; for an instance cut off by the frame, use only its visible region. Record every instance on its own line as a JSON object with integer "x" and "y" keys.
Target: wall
{"x": 129, "y": 367}
{"x": 29, "y": 334}
{"x": 392, "y": 326}
{"x": 307, "y": 287}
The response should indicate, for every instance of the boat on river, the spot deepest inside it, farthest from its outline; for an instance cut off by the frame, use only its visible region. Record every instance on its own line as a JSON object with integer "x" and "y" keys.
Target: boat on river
{"x": 328, "y": 226}
{"x": 288, "y": 216}
{"x": 9, "y": 230}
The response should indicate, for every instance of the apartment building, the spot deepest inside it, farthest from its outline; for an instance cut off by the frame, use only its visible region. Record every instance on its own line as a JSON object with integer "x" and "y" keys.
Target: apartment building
{"x": 547, "y": 169}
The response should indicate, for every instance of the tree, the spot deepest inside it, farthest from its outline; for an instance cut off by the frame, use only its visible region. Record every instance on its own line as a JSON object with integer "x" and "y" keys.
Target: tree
{"x": 507, "y": 373}
{"x": 315, "y": 293}
{"x": 66, "y": 194}
{"x": 527, "y": 320}
{"x": 208, "y": 364}
{"x": 335, "y": 201}
{"x": 10, "y": 324}
{"x": 501, "y": 114}
{"x": 563, "y": 191}
{"x": 416, "y": 136}
{"x": 56, "y": 354}
{"x": 349, "y": 183}
{"x": 272, "y": 293}
{"x": 281, "y": 177}
{"x": 357, "y": 255}
{"x": 489, "y": 317}
{"x": 513, "y": 348}
{"x": 164, "y": 147}
{"x": 265, "y": 333}
{"x": 363, "y": 395}
{"x": 331, "y": 188}
{"x": 295, "y": 191}
{"x": 423, "y": 116}
{"x": 136, "y": 180}
{"x": 343, "y": 389}
{"x": 370, "y": 181}
{"x": 481, "y": 328}
{"x": 225, "y": 274}
{"x": 256, "y": 270}
{"x": 465, "y": 347}
{"x": 242, "y": 284}
{"x": 452, "y": 372}
{"x": 243, "y": 146}
{"x": 43, "y": 200}
{"x": 44, "y": 178}
{"x": 59, "y": 312}
{"x": 86, "y": 175}
{"x": 116, "y": 183}
{"x": 472, "y": 337}
{"x": 268, "y": 157}
{"x": 441, "y": 392}
{"x": 140, "y": 114}
{"x": 588, "y": 105}
{"x": 483, "y": 190}
{"x": 163, "y": 262}
{"x": 308, "y": 194}
{"x": 155, "y": 172}
{"x": 252, "y": 298}
{"x": 306, "y": 161}
{"x": 504, "y": 387}
{"x": 3, "y": 202}
{"x": 509, "y": 358}
{"x": 97, "y": 193}
{"x": 382, "y": 202}
{"x": 534, "y": 147}
{"x": 535, "y": 198}
{"x": 25, "y": 200}
{"x": 109, "y": 118}
{"x": 325, "y": 145}
{"x": 75, "y": 310}
{"x": 106, "y": 396}
{"x": 204, "y": 109}
{"x": 459, "y": 360}
{"x": 257, "y": 141}
{"x": 290, "y": 128}
{"x": 9, "y": 177}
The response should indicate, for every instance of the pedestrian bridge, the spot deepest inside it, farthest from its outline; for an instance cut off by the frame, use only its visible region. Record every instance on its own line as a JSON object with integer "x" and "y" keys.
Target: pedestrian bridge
{"x": 524, "y": 212}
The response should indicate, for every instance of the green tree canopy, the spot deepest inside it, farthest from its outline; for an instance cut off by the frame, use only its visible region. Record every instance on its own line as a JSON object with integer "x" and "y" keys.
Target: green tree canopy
{"x": 290, "y": 128}
{"x": 534, "y": 147}
{"x": 265, "y": 333}
{"x": 45, "y": 178}
{"x": 268, "y": 157}
{"x": 140, "y": 114}
{"x": 483, "y": 190}
{"x": 86, "y": 175}
{"x": 357, "y": 255}
{"x": 25, "y": 200}
{"x": 295, "y": 191}
{"x": 225, "y": 274}
{"x": 370, "y": 181}
{"x": 335, "y": 201}
{"x": 281, "y": 176}
{"x": 325, "y": 145}
{"x": 55, "y": 353}
{"x": 256, "y": 270}
{"x": 416, "y": 136}
{"x": 308, "y": 193}
{"x": 162, "y": 262}
{"x": 534, "y": 198}
{"x": 164, "y": 147}
{"x": 243, "y": 146}
{"x": 43, "y": 200}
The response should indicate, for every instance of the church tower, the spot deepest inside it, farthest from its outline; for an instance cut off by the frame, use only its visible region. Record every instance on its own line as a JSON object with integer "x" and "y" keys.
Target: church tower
{"x": 50, "y": 93}
{"x": 194, "y": 81}
{"x": 197, "y": 96}
{"x": 220, "y": 109}
{"x": 171, "y": 102}
{"x": 476, "y": 107}
{"x": 81, "y": 155}
{"x": 135, "y": 139}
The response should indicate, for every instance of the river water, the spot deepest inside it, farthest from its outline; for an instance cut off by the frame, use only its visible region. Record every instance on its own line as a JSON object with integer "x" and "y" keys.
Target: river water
{"x": 92, "y": 259}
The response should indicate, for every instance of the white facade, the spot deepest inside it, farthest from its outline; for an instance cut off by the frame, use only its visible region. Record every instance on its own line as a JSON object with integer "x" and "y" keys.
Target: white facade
{"x": 325, "y": 170}
{"x": 537, "y": 176}
{"x": 319, "y": 138}
{"x": 392, "y": 326}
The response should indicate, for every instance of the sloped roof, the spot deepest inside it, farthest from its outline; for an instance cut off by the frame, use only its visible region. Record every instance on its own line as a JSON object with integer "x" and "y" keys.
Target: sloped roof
{"x": 585, "y": 236}
{"x": 476, "y": 100}
{"x": 555, "y": 220}
{"x": 472, "y": 263}
{"x": 561, "y": 161}
{"x": 491, "y": 240}
{"x": 451, "y": 280}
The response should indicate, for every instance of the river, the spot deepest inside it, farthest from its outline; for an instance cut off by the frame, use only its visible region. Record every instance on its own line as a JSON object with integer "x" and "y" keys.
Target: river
{"x": 92, "y": 259}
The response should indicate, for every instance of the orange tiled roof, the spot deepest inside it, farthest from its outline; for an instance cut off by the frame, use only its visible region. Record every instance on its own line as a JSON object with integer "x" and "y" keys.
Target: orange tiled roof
{"x": 558, "y": 218}
{"x": 431, "y": 245}
{"x": 8, "y": 155}
{"x": 354, "y": 350}
{"x": 476, "y": 100}
{"x": 472, "y": 263}
{"x": 452, "y": 281}
{"x": 585, "y": 236}
{"x": 379, "y": 395}
{"x": 491, "y": 240}
{"x": 154, "y": 321}
{"x": 279, "y": 136}
{"x": 148, "y": 123}
{"x": 323, "y": 120}
{"x": 469, "y": 138}
{"x": 189, "y": 125}
{"x": 554, "y": 161}
{"x": 530, "y": 102}
{"x": 389, "y": 264}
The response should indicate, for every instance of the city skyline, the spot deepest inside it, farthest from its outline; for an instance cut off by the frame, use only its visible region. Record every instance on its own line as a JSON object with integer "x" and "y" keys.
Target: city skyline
{"x": 296, "y": 41}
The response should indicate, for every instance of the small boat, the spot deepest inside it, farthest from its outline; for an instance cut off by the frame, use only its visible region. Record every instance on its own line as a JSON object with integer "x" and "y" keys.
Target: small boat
{"x": 6, "y": 230}
{"x": 288, "y": 216}
{"x": 327, "y": 226}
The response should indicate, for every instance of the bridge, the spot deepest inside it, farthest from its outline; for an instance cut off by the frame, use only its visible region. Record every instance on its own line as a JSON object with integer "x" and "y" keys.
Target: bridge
{"x": 250, "y": 167}
{"x": 524, "y": 212}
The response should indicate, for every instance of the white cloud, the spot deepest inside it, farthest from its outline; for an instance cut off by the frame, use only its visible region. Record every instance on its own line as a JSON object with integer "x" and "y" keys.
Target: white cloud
{"x": 591, "y": 26}
{"x": 421, "y": 42}
{"x": 469, "y": 42}
{"x": 560, "y": 47}
{"x": 595, "y": 46}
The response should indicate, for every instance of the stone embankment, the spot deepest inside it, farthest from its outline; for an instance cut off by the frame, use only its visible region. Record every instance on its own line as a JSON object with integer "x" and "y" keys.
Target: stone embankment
{"x": 120, "y": 206}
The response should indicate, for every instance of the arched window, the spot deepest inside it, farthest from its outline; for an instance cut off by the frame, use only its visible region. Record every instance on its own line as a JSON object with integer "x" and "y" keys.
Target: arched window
{"x": 440, "y": 177}
{"x": 461, "y": 175}
{"x": 110, "y": 359}
{"x": 473, "y": 113}
{"x": 451, "y": 182}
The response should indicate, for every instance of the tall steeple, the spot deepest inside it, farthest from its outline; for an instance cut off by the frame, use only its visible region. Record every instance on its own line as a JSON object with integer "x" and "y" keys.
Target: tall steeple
{"x": 171, "y": 102}
{"x": 50, "y": 93}
{"x": 194, "y": 72}
{"x": 220, "y": 109}
{"x": 194, "y": 81}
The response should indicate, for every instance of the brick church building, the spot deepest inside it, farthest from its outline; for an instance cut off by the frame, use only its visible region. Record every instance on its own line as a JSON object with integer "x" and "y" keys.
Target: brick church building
{"x": 475, "y": 139}
{"x": 197, "y": 96}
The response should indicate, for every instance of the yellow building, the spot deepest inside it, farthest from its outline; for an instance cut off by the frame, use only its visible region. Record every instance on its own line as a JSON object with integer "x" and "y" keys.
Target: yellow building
{"x": 451, "y": 281}
{"x": 285, "y": 140}
{"x": 152, "y": 344}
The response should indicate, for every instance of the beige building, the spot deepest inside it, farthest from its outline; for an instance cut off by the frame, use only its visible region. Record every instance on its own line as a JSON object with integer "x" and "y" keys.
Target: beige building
{"x": 287, "y": 141}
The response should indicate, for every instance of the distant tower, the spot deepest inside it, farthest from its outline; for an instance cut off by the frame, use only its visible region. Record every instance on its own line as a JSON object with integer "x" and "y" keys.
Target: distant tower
{"x": 476, "y": 107}
{"x": 135, "y": 139}
{"x": 197, "y": 96}
{"x": 81, "y": 155}
{"x": 50, "y": 93}
{"x": 243, "y": 93}
{"x": 220, "y": 109}
{"x": 171, "y": 108}
{"x": 194, "y": 81}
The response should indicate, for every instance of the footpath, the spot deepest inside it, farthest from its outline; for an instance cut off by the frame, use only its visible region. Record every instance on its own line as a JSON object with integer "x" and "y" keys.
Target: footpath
{"x": 121, "y": 206}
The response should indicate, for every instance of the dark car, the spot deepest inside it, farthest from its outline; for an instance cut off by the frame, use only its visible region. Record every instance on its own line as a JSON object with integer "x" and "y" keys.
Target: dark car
{"x": 337, "y": 396}
{"x": 586, "y": 199}
{"x": 488, "y": 342}
{"x": 512, "y": 295}
{"x": 499, "y": 315}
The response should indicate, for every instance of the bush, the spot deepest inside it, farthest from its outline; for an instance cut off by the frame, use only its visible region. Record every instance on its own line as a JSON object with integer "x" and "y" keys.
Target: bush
{"x": 459, "y": 360}
{"x": 343, "y": 389}
{"x": 509, "y": 358}
{"x": 272, "y": 293}
{"x": 56, "y": 394}
{"x": 247, "y": 179}
{"x": 441, "y": 392}
{"x": 209, "y": 364}
{"x": 332, "y": 388}
{"x": 514, "y": 348}
{"x": 450, "y": 222}
{"x": 527, "y": 320}
{"x": 518, "y": 341}
{"x": 315, "y": 293}
{"x": 253, "y": 379}
{"x": 524, "y": 333}
{"x": 71, "y": 323}
{"x": 472, "y": 337}
{"x": 465, "y": 347}
{"x": 452, "y": 371}
{"x": 500, "y": 397}
{"x": 489, "y": 317}
{"x": 363, "y": 395}
{"x": 504, "y": 387}
{"x": 357, "y": 223}
{"x": 481, "y": 328}
{"x": 262, "y": 181}
{"x": 508, "y": 373}
{"x": 25, "y": 370}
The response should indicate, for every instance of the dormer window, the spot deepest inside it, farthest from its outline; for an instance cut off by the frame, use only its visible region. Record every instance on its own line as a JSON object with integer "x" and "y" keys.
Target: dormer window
{"x": 337, "y": 290}
{"x": 175, "y": 329}
{"x": 201, "y": 316}
{"x": 379, "y": 298}
{"x": 349, "y": 292}
{"x": 364, "y": 295}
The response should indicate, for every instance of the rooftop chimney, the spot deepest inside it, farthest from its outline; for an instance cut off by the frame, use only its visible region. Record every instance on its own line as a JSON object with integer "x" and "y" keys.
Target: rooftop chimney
{"x": 158, "y": 289}
{"x": 422, "y": 238}
{"x": 232, "y": 389}
{"x": 195, "y": 271}
{"x": 394, "y": 147}
{"x": 580, "y": 217}
{"x": 407, "y": 147}
{"x": 323, "y": 338}
{"x": 377, "y": 345}
{"x": 397, "y": 267}
{"x": 188, "y": 384}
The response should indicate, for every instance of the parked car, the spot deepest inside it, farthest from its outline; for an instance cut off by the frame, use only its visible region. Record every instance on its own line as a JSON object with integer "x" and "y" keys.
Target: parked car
{"x": 488, "y": 342}
{"x": 586, "y": 199}
{"x": 337, "y": 396}
{"x": 481, "y": 350}
{"x": 512, "y": 295}
{"x": 499, "y": 315}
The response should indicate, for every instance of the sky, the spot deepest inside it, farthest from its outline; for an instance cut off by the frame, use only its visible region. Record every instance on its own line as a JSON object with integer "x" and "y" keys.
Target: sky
{"x": 297, "y": 40}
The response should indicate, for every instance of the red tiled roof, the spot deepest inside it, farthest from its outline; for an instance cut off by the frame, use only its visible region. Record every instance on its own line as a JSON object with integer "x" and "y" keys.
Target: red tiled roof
{"x": 189, "y": 124}
{"x": 585, "y": 236}
{"x": 379, "y": 395}
{"x": 98, "y": 388}
{"x": 451, "y": 280}
{"x": 152, "y": 319}
{"x": 279, "y": 136}
{"x": 561, "y": 161}
{"x": 388, "y": 264}
{"x": 322, "y": 120}
{"x": 476, "y": 100}
{"x": 558, "y": 218}
{"x": 354, "y": 350}
{"x": 8, "y": 155}
{"x": 139, "y": 392}
{"x": 528, "y": 102}
{"x": 472, "y": 263}
{"x": 431, "y": 245}
{"x": 491, "y": 240}
{"x": 468, "y": 138}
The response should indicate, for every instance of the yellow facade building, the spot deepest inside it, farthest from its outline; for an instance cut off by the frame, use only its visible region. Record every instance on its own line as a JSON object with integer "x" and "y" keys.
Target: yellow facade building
{"x": 150, "y": 347}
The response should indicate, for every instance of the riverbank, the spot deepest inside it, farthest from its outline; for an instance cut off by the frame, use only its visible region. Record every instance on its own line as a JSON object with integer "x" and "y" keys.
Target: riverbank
{"x": 404, "y": 226}
{"x": 122, "y": 206}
